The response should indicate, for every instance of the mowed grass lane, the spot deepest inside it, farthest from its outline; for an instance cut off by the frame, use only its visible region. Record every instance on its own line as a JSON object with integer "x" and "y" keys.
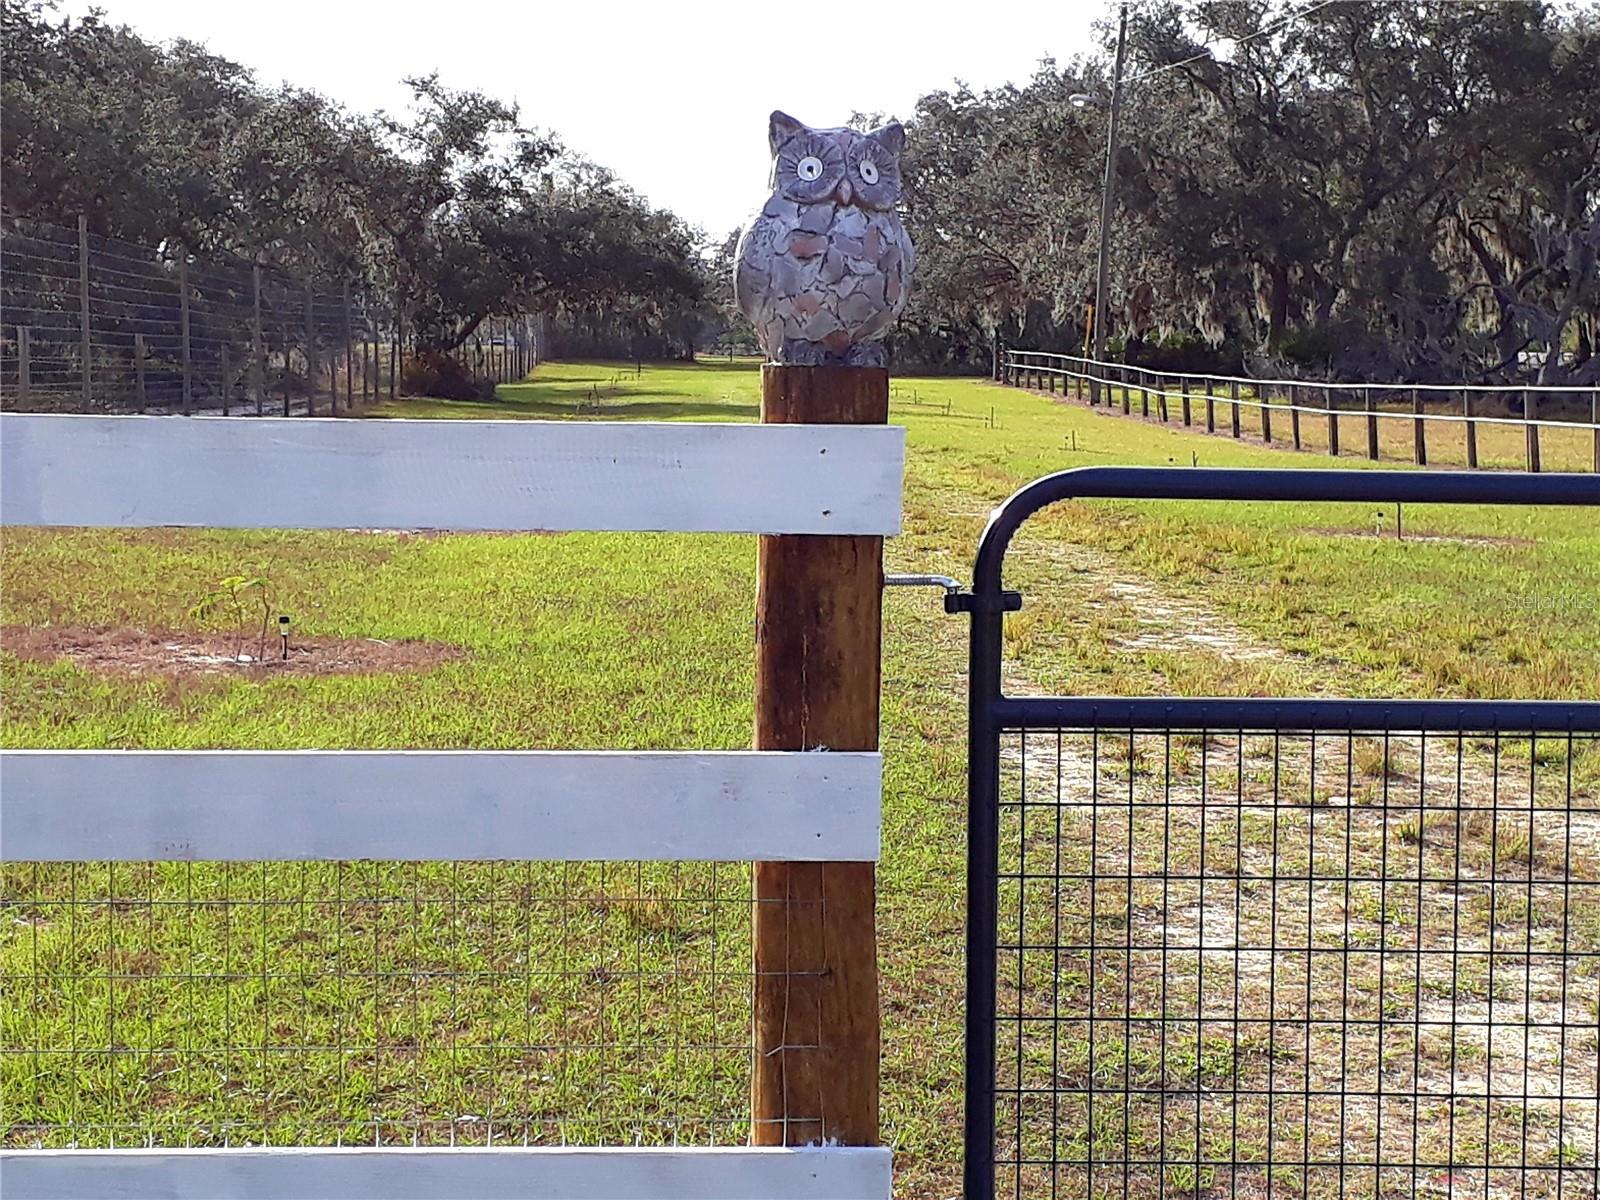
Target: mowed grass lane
{"x": 386, "y": 1001}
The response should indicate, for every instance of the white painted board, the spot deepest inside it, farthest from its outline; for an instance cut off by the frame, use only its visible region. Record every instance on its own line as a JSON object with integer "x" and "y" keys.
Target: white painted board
{"x": 324, "y": 473}
{"x": 439, "y": 805}
{"x": 404, "y": 1173}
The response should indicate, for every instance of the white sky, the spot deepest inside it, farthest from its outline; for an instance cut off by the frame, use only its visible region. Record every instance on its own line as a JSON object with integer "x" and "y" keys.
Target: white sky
{"x": 671, "y": 95}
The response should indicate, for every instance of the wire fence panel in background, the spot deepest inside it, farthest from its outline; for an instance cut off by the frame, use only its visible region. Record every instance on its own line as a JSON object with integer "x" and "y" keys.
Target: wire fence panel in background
{"x": 95, "y": 324}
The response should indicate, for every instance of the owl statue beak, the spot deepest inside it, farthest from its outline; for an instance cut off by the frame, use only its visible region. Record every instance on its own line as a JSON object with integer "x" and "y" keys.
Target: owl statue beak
{"x": 843, "y": 192}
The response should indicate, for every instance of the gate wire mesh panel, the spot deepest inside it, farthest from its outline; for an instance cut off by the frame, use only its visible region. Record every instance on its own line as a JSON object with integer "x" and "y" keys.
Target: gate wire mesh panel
{"x": 1241, "y": 964}
{"x": 314, "y": 1004}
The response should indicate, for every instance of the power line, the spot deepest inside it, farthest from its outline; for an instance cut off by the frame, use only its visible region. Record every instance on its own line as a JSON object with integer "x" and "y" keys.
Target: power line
{"x": 1270, "y": 27}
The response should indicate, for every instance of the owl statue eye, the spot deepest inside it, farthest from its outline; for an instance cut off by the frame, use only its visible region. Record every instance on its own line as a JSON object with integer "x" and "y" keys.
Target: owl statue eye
{"x": 869, "y": 171}
{"x": 809, "y": 168}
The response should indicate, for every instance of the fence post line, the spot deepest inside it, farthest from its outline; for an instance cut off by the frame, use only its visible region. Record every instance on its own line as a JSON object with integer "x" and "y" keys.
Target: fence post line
{"x": 83, "y": 301}
{"x": 1233, "y": 391}
{"x": 1127, "y": 395}
{"x": 1144, "y": 395}
{"x": 1530, "y": 414}
{"x": 1183, "y": 387}
{"x": 183, "y": 318}
{"x": 349, "y": 353}
{"x": 1371, "y": 406}
{"x": 1419, "y": 431}
{"x": 227, "y": 383}
{"x": 1161, "y": 398}
{"x": 818, "y": 647}
{"x": 24, "y": 383}
{"x": 1211, "y": 408}
{"x": 1333, "y": 421}
{"x": 258, "y": 376}
{"x": 1294, "y": 414}
{"x": 1264, "y": 395}
{"x": 312, "y": 370}
{"x": 1472, "y": 428}
{"x": 394, "y": 347}
{"x": 138, "y": 370}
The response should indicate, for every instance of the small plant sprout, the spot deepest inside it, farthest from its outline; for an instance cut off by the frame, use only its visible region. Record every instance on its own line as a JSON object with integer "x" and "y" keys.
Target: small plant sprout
{"x": 237, "y": 595}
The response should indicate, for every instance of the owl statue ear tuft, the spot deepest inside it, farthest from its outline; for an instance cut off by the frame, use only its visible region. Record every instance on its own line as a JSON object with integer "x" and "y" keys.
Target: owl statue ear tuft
{"x": 892, "y": 137}
{"x": 780, "y": 128}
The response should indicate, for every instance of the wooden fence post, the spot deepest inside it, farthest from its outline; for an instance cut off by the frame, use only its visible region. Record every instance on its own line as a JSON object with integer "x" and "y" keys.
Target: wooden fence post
{"x": 1419, "y": 429}
{"x": 1161, "y": 398}
{"x": 1144, "y": 395}
{"x": 258, "y": 376}
{"x": 1294, "y": 414}
{"x": 1372, "y": 425}
{"x": 1472, "y": 428}
{"x": 83, "y": 302}
{"x": 818, "y": 645}
{"x": 1234, "y": 390}
{"x": 1127, "y": 392}
{"x": 138, "y": 369}
{"x": 1211, "y": 408}
{"x": 1530, "y": 414}
{"x": 24, "y": 383}
{"x": 183, "y": 331}
{"x": 312, "y": 370}
{"x": 1333, "y": 421}
{"x": 1265, "y": 397}
{"x": 349, "y": 353}
{"x": 1183, "y": 387}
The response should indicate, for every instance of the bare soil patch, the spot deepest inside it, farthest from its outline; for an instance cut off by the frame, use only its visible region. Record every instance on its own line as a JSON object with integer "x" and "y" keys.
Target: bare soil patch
{"x": 1445, "y": 539}
{"x": 123, "y": 651}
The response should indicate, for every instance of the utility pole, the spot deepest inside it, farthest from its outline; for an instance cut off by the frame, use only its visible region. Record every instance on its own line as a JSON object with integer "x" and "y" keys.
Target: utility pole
{"x": 1106, "y": 194}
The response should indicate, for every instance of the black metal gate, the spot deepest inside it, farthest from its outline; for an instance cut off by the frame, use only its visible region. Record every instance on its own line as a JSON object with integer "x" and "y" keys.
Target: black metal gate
{"x": 1303, "y": 947}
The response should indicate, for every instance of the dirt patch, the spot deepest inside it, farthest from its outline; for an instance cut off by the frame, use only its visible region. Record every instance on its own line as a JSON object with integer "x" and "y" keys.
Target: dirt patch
{"x": 121, "y": 651}
{"x": 1444, "y": 539}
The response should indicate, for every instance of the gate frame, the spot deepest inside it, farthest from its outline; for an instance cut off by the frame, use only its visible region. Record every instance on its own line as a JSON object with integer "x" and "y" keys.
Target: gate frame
{"x": 990, "y": 712}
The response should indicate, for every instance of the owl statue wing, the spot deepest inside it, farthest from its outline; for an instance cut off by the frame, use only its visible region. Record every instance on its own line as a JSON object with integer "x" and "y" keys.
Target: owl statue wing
{"x": 752, "y": 273}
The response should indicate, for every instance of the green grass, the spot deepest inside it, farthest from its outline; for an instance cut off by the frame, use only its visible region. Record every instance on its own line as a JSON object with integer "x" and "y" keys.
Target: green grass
{"x": 362, "y": 1000}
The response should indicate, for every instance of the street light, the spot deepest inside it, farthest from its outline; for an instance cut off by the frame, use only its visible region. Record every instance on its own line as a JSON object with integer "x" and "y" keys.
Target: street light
{"x": 1084, "y": 100}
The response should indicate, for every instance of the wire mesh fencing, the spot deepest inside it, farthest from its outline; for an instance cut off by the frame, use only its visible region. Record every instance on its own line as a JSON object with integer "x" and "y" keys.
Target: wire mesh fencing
{"x": 95, "y": 324}
{"x": 1247, "y": 964}
{"x": 370, "y": 1003}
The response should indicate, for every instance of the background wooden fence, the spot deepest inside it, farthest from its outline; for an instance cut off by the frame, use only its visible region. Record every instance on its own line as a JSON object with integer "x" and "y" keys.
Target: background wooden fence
{"x": 1475, "y": 425}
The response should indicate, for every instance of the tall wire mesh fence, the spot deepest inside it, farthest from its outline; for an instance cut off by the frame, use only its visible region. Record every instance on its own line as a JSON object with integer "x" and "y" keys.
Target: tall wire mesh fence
{"x": 1239, "y": 964}
{"x": 95, "y": 324}
{"x": 369, "y": 1003}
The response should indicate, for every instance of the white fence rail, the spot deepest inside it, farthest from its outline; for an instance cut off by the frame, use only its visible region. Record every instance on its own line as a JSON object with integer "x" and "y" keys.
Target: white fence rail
{"x": 416, "y": 805}
{"x": 403, "y": 1173}
{"x": 324, "y": 473}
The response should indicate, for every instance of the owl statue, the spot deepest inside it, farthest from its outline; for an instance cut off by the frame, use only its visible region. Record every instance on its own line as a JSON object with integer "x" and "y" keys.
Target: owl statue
{"x": 825, "y": 268}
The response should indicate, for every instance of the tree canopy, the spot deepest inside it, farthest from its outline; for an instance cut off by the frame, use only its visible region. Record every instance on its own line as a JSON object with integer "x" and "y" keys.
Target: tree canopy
{"x": 1382, "y": 190}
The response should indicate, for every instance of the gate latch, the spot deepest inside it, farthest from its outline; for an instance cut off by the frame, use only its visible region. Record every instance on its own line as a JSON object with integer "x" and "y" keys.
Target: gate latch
{"x": 955, "y": 600}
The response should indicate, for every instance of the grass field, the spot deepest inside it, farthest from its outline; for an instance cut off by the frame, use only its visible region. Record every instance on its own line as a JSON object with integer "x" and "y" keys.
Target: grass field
{"x": 468, "y": 1001}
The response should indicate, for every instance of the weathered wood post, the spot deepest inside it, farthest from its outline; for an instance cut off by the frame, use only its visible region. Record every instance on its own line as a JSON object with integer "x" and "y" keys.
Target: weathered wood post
{"x": 258, "y": 386}
{"x": 1183, "y": 387}
{"x": 24, "y": 370}
{"x": 818, "y": 618}
{"x": 138, "y": 369}
{"x": 1233, "y": 389}
{"x": 1472, "y": 428}
{"x": 1144, "y": 395}
{"x": 1333, "y": 421}
{"x": 1294, "y": 414}
{"x": 1211, "y": 408}
{"x": 1264, "y": 395}
{"x": 1419, "y": 430}
{"x": 1127, "y": 392}
{"x": 1161, "y": 398}
{"x": 183, "y": 319}
{"x": 1530, "y": 416}
{"x": 83, "y": 303}
{"x": 1372, "y": 424}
